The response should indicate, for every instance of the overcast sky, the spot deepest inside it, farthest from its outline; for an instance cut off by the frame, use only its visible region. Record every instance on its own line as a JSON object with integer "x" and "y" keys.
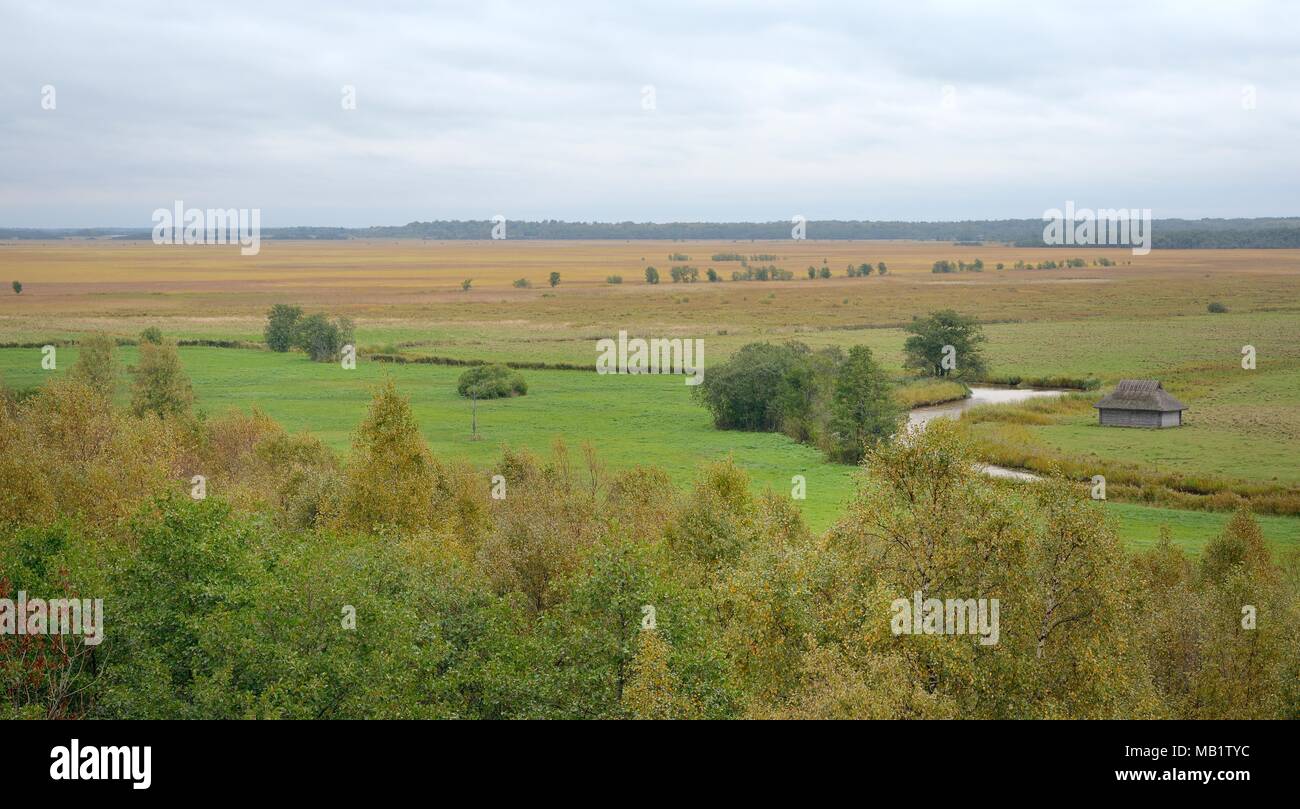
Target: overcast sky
{"x": 660, "y": 111}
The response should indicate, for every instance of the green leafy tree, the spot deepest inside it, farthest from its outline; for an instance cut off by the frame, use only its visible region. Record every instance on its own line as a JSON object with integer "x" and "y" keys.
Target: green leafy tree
{"x": 651, "y": 275}
{"x": 943, "y": 339}
{"x": 322, "y": 338}
{"x": 192, "y": 565}
{"x": 863, "y": 411}
{"x": 491, "y": 382}
{"x": 391, "y": 475}
{"x": 161, "y": 385}
{"x": 281, "y": 324}
{"x": 744, "y": 392}
{"x": 97, "y": 364}
{"x": 555, "y": 279}
{"x": 152, "y": 335}
{"x": 18, "y": 287}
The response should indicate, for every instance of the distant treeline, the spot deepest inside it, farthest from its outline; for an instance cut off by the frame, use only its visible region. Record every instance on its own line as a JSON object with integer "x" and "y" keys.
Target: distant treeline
{"x": 1273, "y": 232}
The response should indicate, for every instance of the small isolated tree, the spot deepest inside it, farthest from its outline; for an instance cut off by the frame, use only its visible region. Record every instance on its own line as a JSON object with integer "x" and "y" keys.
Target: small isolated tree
{"x": 281, "y": 322}
{"x": 321, "y": 338}
{"x": 712, "y": 274}
{"x": 1216, "y": 308}
{"x": 97, "y": 365}
{"x": 651, "y": 275}
{"x": 152, "y": 335}
{"x": 465, "y": 285}
{"x": 491, "y": 382}
{"x": 18, "y": 287}
{"x": 555, "y": 279}
{"x": 825, "y": 272}
{"x": 881, "y": 268}
{"x": 942, "y": 335}
{"x": 864, "y": 269}
{"x": 863, "y": 410}
{"x": 161, "y": 386}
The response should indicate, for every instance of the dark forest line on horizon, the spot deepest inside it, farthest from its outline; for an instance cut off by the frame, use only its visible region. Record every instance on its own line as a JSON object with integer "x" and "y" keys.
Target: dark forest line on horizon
{"x": 1266, "y": 232}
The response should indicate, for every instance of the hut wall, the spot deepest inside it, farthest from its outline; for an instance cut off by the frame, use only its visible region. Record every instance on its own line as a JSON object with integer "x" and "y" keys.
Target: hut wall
{"x": 1130, "y": 418}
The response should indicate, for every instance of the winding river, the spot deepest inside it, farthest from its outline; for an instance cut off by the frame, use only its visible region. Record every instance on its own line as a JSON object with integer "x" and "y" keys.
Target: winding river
{"x": 982, "y": 396}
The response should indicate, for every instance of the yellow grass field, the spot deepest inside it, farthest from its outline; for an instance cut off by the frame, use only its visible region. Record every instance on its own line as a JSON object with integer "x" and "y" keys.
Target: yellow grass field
{"x": 72, "y": 286}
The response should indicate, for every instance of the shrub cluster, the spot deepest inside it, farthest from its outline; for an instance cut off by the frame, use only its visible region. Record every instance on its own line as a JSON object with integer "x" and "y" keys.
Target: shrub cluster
{"x": 491, "y": 382}
{"x": 841, "y": 403}
{"x": 317, "y": 335}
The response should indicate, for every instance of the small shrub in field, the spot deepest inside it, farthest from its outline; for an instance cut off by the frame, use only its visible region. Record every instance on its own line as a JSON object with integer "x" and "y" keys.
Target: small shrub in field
{"x": 152, "y": 335}
{"x": 18, "y": 287}
{"x": 465, "y": 285}
{"x": 614, "y": 279}
{"x": 1216, "y": 308}
{"x": 281, "y": 322}
{"x": 491, "y": 382}
{"x": 554, "y": 279}
{"x": 522, "y": 283}
{"x": 322, "y": 338}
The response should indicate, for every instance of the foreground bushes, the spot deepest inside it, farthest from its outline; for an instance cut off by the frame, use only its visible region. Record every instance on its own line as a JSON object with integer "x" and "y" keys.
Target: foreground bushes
{"x": 393, "y": 584}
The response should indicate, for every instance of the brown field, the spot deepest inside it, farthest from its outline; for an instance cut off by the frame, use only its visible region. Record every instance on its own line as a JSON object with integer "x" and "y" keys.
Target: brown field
{"x": 73, "y": 286}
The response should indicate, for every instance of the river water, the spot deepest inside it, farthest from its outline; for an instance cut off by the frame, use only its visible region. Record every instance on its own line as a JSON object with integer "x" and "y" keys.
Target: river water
{"x": 982, "y": 396}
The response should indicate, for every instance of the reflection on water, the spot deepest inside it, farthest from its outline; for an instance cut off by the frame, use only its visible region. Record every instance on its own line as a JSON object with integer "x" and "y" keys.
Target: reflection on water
{"x": 981, "y": 396}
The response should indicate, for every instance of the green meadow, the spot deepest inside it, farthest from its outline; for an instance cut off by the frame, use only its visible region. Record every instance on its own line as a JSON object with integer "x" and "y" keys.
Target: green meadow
{"x": 628, "y": 420}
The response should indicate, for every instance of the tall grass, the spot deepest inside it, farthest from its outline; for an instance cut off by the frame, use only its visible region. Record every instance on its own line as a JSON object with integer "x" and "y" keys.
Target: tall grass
{"x": 925, "y": 392}
{"x": 1009, "y": 443}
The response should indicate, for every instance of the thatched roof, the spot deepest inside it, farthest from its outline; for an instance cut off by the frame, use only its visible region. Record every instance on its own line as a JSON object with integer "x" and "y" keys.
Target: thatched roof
{"x": 1139, "y": 394}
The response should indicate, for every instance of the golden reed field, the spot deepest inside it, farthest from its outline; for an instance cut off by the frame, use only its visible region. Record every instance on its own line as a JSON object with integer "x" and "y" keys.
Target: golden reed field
{"x": 73, "y": 286}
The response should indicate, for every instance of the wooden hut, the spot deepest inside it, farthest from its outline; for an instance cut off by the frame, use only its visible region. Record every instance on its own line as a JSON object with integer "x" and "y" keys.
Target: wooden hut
{"x": 1139, "y": 403}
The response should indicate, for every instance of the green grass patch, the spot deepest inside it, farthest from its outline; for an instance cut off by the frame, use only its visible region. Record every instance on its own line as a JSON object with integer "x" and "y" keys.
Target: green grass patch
{"x": 629, "y": 420}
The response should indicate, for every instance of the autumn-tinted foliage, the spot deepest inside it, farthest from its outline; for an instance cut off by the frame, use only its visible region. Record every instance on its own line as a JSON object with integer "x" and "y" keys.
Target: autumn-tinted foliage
{"x": 390, "y": 583}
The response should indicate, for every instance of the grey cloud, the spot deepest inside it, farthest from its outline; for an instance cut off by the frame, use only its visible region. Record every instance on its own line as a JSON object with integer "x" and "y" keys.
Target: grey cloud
{"x": 534, "y": 110}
